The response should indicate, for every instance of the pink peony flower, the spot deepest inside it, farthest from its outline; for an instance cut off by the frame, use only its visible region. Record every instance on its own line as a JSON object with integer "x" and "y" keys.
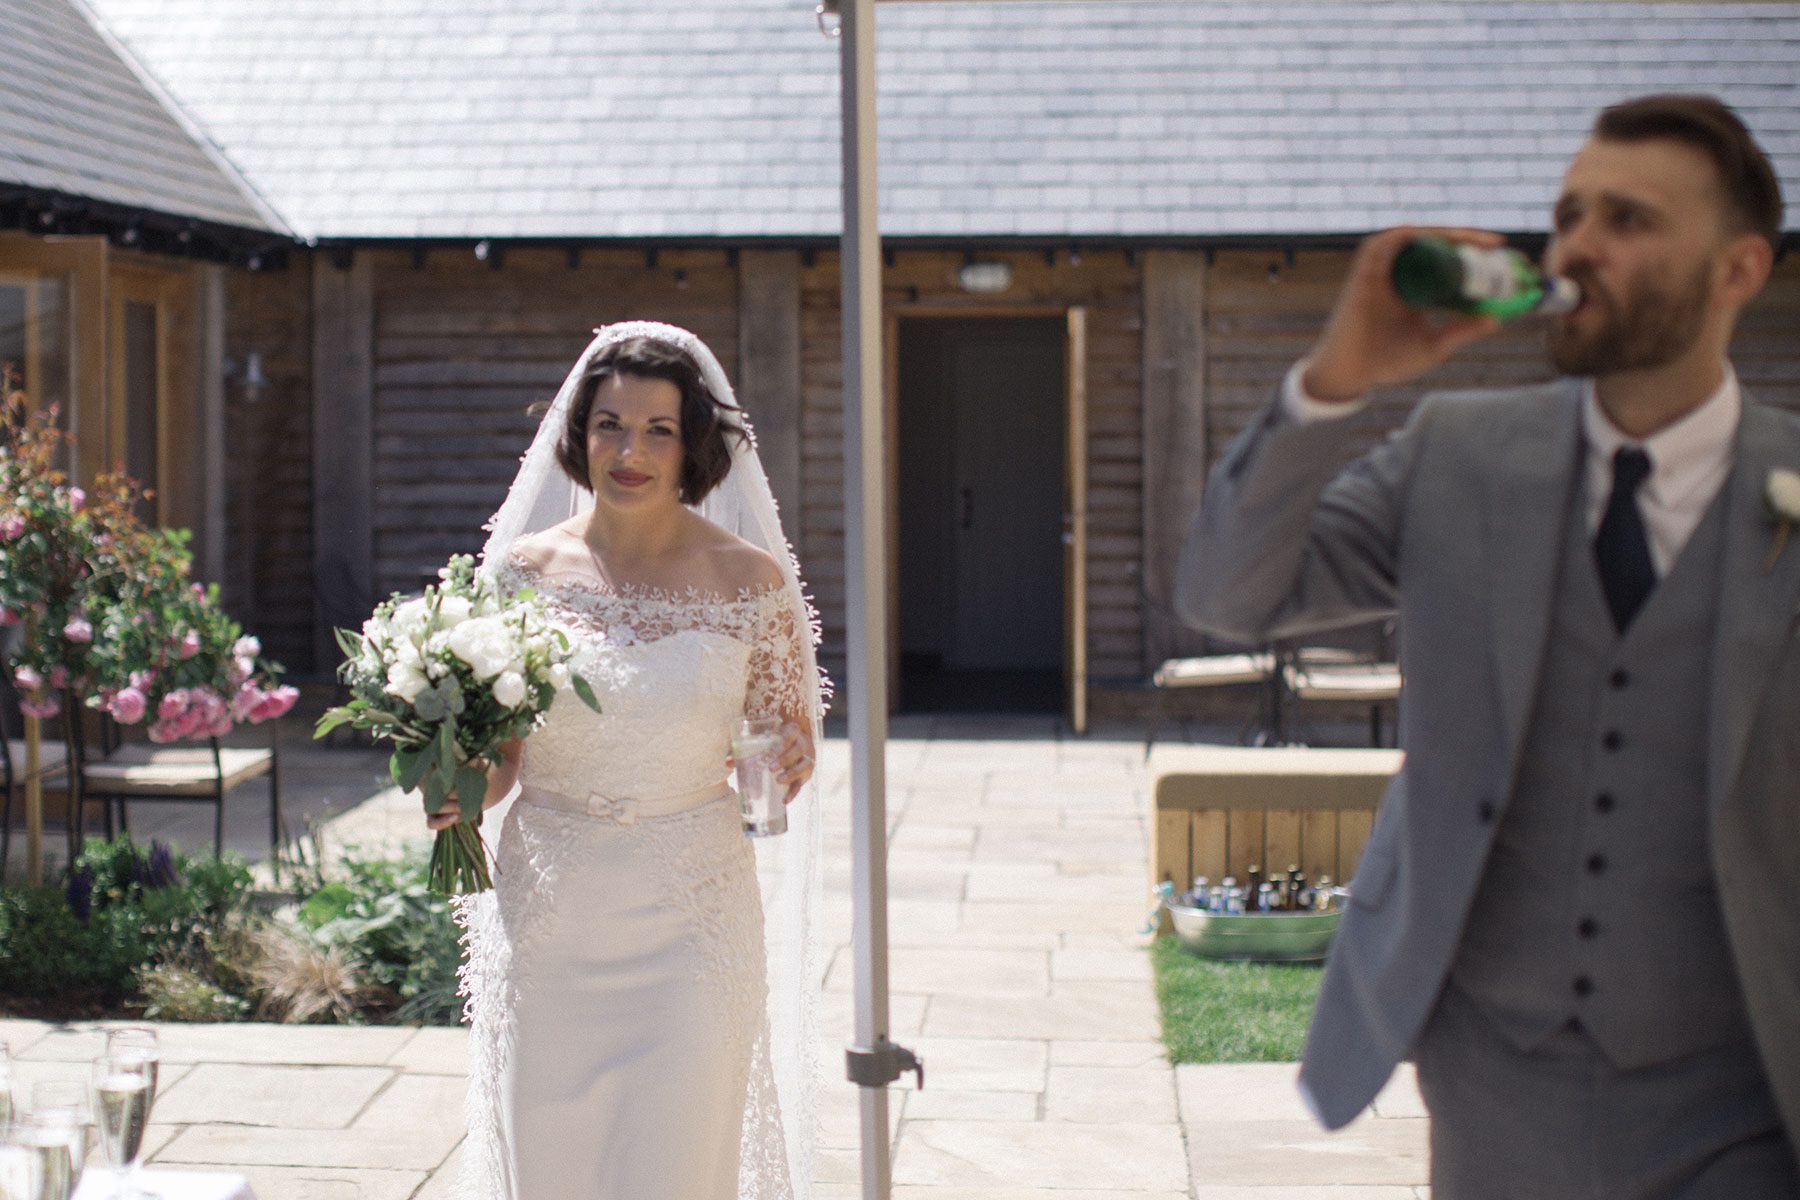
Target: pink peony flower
{"x": 128, "y": 706}
{"x": 246, "y": 647}
{"x": 190, "y": 644}
{"x": 42, "y": 707}
{"x": 173, "y": 704}
{"x": 198, "y": 590}
{"x": 9, "y": 617}
{"x": 79, "y": 629}
{"x": 275, "y": 704}
{"x": 11, "y": 526}
{"x": 59, "y": 676}
{"x": 77, "y": 498}
{"x": 159, "y": 732}
{"x": 27, "y": 679}
{"x": 141, "y": 680}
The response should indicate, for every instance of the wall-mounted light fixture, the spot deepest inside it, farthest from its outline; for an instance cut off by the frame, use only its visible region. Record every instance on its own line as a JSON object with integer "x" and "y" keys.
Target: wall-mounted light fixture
{"x": 985, "y": 276}
{"x": 248, "y": 375}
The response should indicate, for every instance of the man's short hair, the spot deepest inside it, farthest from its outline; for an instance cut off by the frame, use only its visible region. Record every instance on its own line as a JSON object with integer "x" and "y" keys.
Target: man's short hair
{"x": 1747, "y": 181}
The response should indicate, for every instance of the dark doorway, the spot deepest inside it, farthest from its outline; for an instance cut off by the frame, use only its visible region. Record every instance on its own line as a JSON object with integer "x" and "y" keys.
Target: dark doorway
{"x": 981, "y": 495}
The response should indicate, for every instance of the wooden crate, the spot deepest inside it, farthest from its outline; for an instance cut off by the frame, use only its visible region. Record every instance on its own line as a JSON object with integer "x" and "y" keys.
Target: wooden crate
{"x": 1221, "y": 809}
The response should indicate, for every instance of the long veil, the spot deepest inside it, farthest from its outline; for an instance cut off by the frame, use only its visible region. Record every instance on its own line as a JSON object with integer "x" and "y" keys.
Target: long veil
{"x": 787, "y": 867}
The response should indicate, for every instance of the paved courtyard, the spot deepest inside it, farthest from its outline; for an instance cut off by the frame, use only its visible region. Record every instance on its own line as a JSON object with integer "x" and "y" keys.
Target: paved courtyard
{"x": 1017, "y": 877}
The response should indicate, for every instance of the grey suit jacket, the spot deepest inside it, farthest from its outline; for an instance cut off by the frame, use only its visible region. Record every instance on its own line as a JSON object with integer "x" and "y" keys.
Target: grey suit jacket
{"x": 1455, "y": 524}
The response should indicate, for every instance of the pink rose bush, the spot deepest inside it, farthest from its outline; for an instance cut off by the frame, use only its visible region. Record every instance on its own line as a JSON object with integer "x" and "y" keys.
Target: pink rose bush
{"x": 110, "y": 616}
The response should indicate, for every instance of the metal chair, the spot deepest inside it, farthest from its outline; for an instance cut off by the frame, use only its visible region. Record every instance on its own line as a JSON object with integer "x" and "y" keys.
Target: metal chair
{"x": 192, "y": 774}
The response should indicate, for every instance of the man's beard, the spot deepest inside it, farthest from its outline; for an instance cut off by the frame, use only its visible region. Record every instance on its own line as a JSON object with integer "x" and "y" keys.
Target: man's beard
{"x": 1654, "y": 327}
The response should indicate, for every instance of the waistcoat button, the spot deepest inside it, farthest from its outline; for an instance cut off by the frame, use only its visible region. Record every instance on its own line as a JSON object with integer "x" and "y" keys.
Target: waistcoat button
{"x": 1484, "y": 812}
{"x": 1596, "y": 863}
{"x": 1612, "y": 739}
{"x": 1620, "y": 678}
{"x": 1604, "y": 802}
{"x": 1587, "y": 927}
{"x": 1584, "y": 986}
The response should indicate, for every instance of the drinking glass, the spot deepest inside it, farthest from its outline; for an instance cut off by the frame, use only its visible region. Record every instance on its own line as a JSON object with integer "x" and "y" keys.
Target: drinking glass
{"x": 47, "y": 1140}
{"x": 123, "y": 1087}
{"x": 59, "y": 1108}
{"x": 21, "y": 1169}
{"x": 6, "y": 1086}
{"x": 136, "y": 1041}
{"x": 755, "y": 750}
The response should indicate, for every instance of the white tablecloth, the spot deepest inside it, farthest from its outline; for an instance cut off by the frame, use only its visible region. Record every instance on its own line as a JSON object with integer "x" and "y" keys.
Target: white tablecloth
{"x": 97, "y": 1183}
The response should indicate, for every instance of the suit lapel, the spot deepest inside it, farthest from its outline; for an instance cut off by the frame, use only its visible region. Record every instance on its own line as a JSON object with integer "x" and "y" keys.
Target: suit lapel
{"x": 1527, "y": 502}
{"x": 1756, "y": 608}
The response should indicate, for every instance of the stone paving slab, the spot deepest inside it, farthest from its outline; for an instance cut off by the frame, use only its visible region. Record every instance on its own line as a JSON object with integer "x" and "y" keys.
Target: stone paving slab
{"x": 1038, "y": 1154}
{"x": 275, "y": 1097}
{"x": 332, "y": 1183}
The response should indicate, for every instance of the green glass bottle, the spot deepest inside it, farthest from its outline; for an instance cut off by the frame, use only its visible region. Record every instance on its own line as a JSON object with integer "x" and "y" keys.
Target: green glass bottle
{"x": 1433, "y": 273}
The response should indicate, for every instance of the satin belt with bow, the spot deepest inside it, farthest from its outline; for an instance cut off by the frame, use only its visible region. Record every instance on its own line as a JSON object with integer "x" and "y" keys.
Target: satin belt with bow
{"x": 624, "y": 810}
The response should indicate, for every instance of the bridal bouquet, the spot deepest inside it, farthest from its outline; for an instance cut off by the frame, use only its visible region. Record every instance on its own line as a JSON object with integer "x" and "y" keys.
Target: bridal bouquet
{"x": 448, "y": 677}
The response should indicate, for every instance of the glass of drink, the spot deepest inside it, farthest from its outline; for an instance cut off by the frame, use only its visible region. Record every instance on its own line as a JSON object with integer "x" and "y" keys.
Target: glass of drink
{"x": 136, "y": 1041}
{"x": 123, "y": 1086}
{"x": 21, "y": 1170}
{"x": 755, "y": 751}
{"x": 48, "y": 1169}
{"x": 6, "y": 1086}
{"x": 59, "y": 1110}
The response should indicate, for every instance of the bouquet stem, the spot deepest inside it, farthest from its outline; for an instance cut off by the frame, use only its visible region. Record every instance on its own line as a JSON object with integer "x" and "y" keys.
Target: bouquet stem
{"x": 459, "y": 861}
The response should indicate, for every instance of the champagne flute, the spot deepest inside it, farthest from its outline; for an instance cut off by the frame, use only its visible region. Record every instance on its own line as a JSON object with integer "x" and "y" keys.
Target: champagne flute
{"x": 123, "y": 1084}
{"x": 20, "y": 1170}
{"x": 136, "y": 1041}
{"x": 6, "y": 1083}
{"x": 59, "y": 1106}
{"x": 47, "y": 1170}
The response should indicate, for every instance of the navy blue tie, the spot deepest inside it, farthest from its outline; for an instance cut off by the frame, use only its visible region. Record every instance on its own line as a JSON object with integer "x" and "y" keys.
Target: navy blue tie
{"x": 1621, "y": 548}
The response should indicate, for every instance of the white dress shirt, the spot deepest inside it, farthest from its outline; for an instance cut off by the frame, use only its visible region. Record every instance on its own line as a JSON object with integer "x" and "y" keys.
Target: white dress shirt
{"x": 1689, "y": 460}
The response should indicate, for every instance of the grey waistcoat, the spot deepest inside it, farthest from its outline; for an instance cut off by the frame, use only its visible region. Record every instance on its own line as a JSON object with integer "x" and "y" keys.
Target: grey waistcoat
{"x": 1598, "y": 900}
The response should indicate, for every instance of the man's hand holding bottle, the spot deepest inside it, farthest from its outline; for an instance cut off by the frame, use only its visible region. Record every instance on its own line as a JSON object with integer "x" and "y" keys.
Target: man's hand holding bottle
{"x": 1459, "y": 284}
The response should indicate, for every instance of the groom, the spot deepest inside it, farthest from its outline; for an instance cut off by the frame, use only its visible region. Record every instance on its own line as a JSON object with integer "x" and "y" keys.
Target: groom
{"x": 1579, "y": 911}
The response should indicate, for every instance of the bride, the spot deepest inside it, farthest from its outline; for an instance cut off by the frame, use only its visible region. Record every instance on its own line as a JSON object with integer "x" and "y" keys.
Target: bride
{"x": 640, "y": 981}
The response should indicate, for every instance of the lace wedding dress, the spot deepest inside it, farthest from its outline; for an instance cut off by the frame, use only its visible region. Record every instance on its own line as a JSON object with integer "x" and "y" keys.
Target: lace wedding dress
{"x": 615, "y": 976}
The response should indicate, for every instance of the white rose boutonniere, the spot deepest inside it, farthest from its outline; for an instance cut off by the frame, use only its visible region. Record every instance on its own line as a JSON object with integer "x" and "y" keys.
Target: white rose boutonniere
{"x": 1781, "y": 497}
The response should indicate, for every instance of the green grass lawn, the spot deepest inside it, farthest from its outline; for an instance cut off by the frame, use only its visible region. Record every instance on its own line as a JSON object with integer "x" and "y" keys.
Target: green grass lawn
{"x": 1232, "y": 1011}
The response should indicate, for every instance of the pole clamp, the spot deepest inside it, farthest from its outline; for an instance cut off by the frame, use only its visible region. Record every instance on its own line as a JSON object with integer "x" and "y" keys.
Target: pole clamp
{"x": 881, "y": 1064}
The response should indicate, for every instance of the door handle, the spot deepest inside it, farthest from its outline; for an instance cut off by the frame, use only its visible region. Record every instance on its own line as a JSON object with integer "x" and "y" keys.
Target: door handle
{"x": 968, "y": 508}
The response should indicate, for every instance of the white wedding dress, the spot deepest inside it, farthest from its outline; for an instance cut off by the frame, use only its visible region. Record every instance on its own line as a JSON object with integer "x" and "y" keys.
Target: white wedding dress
{"x": 615, "y": 975}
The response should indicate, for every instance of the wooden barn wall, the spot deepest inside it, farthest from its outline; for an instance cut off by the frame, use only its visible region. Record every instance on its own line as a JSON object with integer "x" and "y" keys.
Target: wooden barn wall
{"x": 267, "y": 583}
{"x": 464, "y": 349}
{"x": 1107, "y": 285}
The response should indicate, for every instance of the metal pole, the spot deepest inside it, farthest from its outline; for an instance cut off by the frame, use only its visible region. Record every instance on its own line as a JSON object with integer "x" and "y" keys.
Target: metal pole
{"x": 873, "y": 1061}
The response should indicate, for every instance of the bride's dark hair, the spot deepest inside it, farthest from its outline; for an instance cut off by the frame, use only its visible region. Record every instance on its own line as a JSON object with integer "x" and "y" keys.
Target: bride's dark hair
{"x": 706, "y": 424}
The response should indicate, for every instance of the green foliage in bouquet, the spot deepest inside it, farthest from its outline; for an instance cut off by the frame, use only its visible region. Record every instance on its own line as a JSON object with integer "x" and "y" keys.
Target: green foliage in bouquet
{"x": 450, "y": 677}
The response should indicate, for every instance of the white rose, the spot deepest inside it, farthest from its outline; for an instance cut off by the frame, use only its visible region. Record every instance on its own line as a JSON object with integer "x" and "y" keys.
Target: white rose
{"x": 509, "y": 689}
{"x": 406, "y": 681}
{"x": 474, "y": 641}
{"x": 453, "y": 611}
{"x": 558, "y": 676}
{"x": 412, "y": 616}
{"x": 1783, "y": 493}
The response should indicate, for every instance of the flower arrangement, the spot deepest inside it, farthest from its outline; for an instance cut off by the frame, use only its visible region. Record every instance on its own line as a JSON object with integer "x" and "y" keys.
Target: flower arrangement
{"x": 109, "y": 610}
{"x": 1781, "y": 504}
{"x": 449, "y": 676}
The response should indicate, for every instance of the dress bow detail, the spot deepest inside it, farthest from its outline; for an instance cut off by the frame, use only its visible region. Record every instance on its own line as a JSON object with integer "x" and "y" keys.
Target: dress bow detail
{"x": 622, "y": 809}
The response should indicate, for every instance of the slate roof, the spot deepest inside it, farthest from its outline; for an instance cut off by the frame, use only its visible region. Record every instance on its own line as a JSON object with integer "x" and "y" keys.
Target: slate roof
{"x": 76, "y": 119}
{"x": 1154, "y": 119}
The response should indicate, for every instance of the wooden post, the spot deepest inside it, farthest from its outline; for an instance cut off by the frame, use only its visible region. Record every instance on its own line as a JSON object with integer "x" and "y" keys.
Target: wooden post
{"x": 34, "y": 786}
{"x": 769, "y": 370}
{"x": 1175, "y": 449}
{"x": 343, "y": 450}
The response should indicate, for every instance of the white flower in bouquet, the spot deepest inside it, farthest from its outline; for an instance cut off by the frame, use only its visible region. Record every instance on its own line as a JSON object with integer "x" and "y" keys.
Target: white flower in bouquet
{"x": 449, "y": 677}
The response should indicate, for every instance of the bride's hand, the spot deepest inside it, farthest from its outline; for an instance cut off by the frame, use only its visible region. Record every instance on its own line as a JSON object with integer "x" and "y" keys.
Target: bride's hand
{"x": 796, "y": 759}
{"x": 445, "y": 817}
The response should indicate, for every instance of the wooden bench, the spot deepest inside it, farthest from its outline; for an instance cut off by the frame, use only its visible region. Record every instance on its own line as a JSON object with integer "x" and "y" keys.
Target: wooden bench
{"x": 1221, "y": 809}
